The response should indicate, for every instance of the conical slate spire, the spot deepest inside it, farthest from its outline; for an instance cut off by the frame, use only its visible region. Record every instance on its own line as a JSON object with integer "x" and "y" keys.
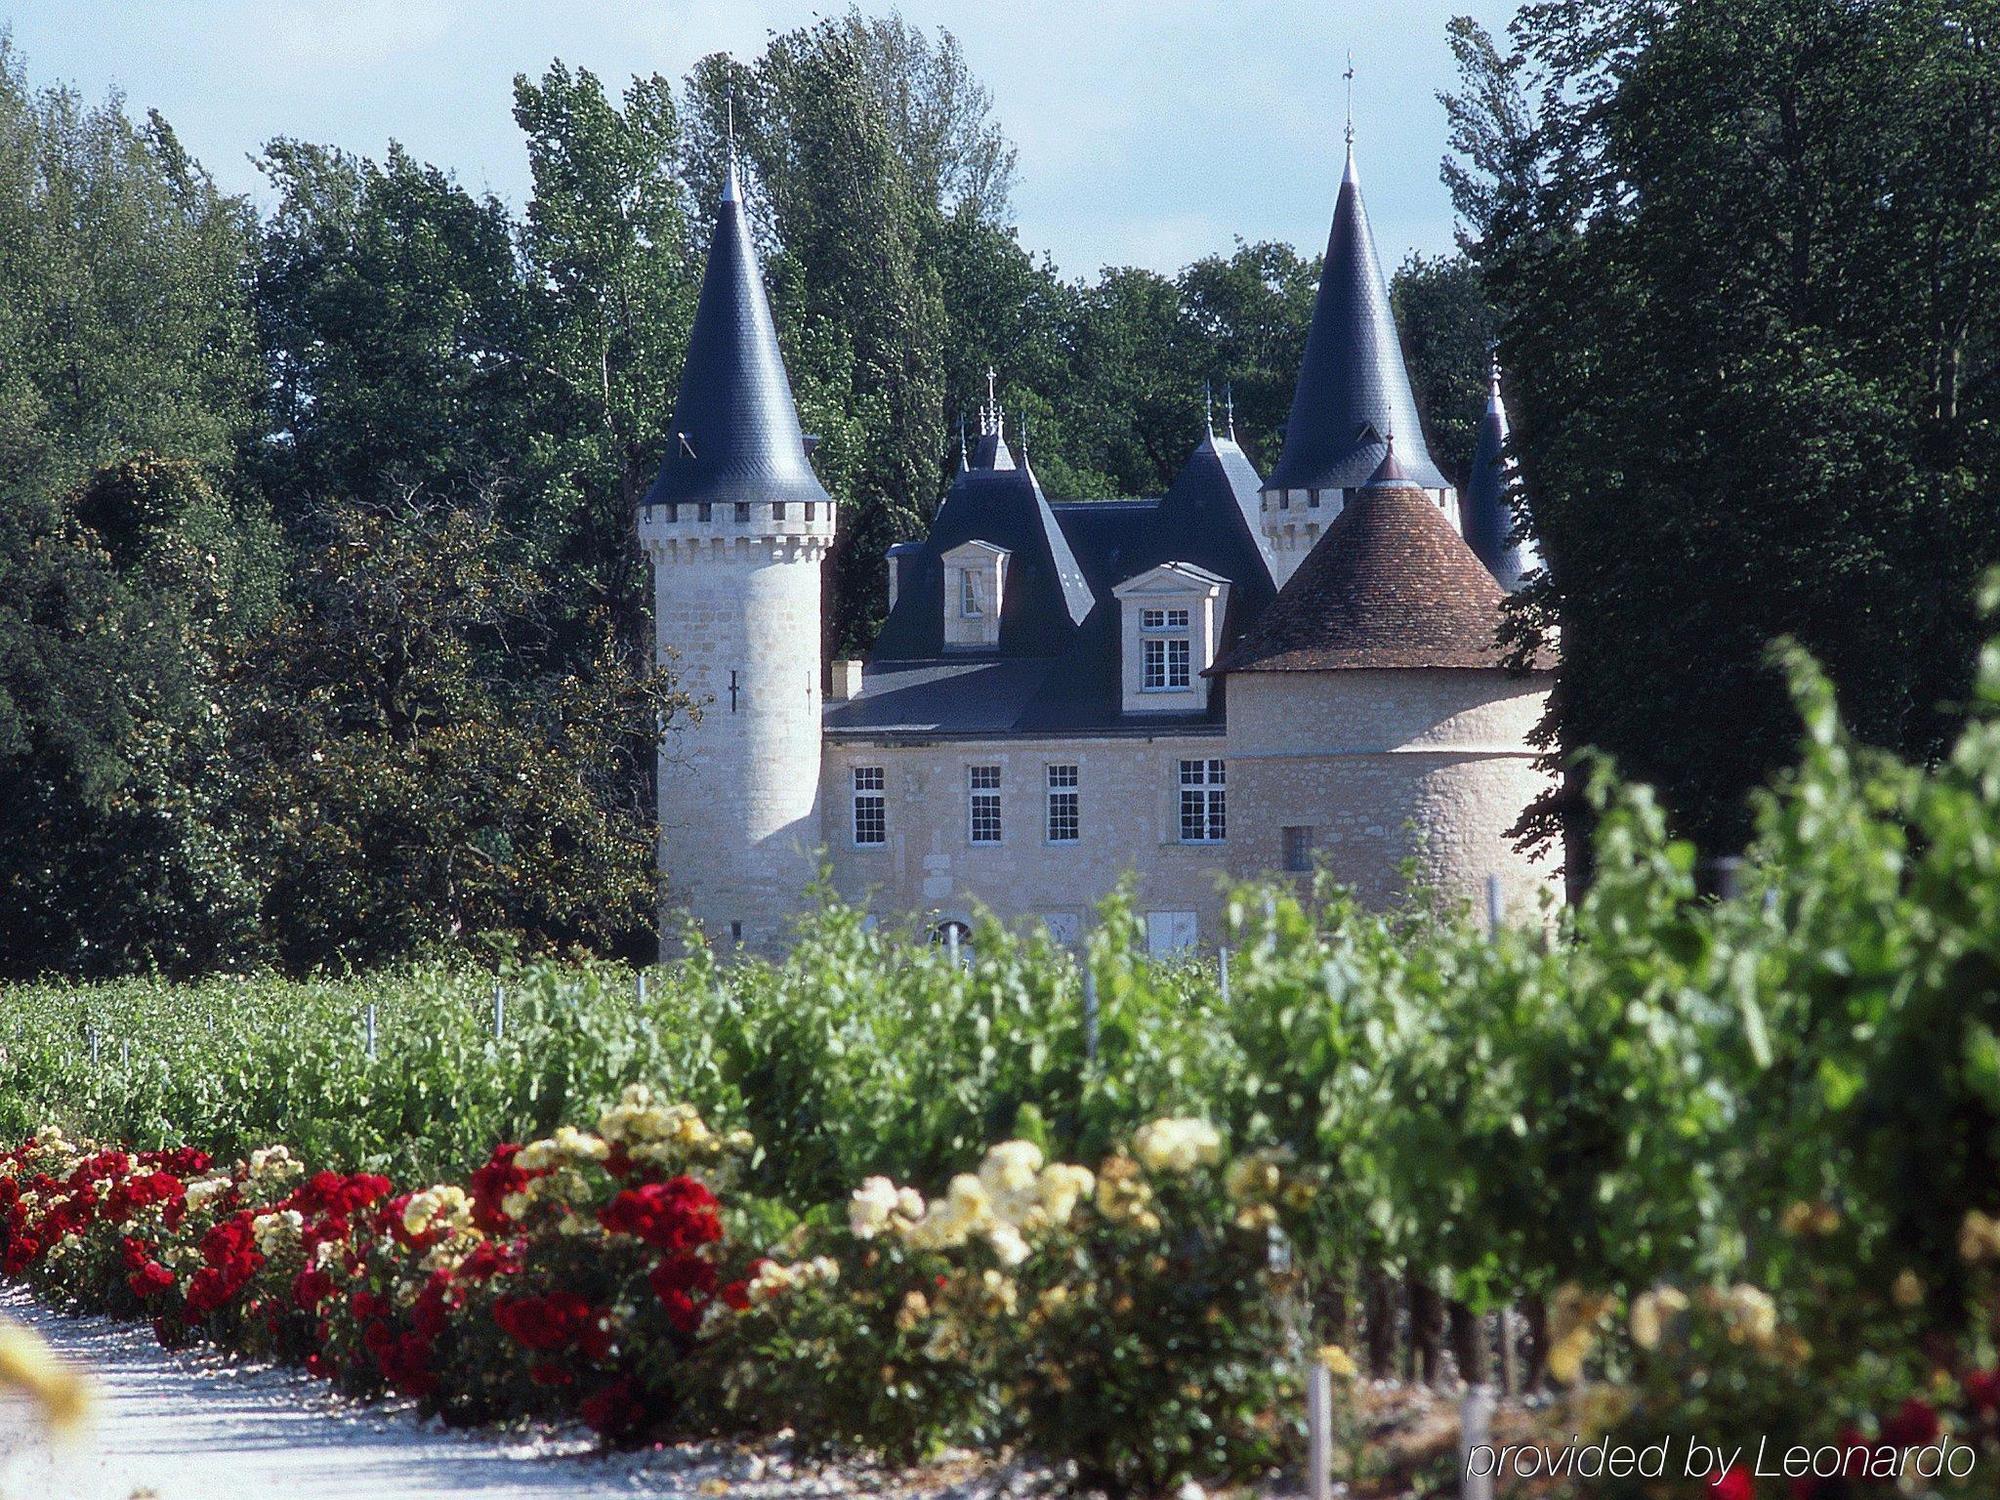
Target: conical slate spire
{"x": 1353, "y": 390}
{"x": 735, "y": 433}
{"x": 1489, "y": 516}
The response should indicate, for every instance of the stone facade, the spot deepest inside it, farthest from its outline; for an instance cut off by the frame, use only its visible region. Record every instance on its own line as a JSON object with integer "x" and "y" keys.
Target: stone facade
{"x": 736, "y": 601}
{"x": 1128, "y": 811}
{"x": 1381, "y": 766}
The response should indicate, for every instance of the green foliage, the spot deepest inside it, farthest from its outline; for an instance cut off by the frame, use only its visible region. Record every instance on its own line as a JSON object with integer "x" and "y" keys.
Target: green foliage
{"x": 1742, "y": 262}
{"x": 406, "y": 782}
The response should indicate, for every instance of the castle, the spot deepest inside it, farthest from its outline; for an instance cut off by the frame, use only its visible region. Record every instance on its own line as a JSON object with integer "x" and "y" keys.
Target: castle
{"x": 1243, "y": 677}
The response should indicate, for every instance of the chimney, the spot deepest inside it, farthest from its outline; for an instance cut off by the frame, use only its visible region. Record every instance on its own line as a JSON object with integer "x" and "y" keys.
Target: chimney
{"x": 845, "y": 681}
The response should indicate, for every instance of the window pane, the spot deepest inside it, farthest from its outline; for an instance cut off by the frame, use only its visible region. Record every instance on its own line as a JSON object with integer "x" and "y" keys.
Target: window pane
{"x": 1177, "y": 663}
{"x": 1298, "y": 849}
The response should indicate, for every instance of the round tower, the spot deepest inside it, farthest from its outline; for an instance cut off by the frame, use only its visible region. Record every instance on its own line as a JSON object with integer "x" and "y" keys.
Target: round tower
{"x": 737, "y": 527}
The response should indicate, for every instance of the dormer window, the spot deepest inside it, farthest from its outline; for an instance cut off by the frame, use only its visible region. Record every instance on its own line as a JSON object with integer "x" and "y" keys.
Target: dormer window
{"x": 975, "y": 584}
{"x": 1171, "y": 631}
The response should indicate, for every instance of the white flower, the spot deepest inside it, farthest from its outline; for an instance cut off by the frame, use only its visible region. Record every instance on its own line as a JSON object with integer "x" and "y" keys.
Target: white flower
{"x": 870, "y": 1208}
{"x": 1010, "y": 1167}
{"x": 1009, "y": 1248}
{"x": 1177, "y": 1145}
{"x": 274, "y": 1231}
{"x": 1060, "y": 1187}
{"x": 445, "y": 1207}
{"x": 567, "y": 1145}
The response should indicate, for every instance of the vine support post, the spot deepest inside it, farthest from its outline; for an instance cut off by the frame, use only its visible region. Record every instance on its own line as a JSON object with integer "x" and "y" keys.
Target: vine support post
{"x": 1222, "y": 971}
{"x": 1475, "y": 1430}
{"x": 1493, "y": 910}
{"x": 639, "y": 989}
{"x": 499, "y": 1012}
{"x": 1090, "y": 1015}
{"x": 368, "y": 1029}
{"x": 1319, "y": 1431}
{"x": 1510, "y": 1380}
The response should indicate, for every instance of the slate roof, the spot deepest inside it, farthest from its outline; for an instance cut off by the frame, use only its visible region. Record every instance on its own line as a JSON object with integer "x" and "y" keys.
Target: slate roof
{"x": 1056, "y": 668}
{"x": 1353, "y": 391}
{"x": 735, "y": 432}
{"x": 1487, "y": 509}
{"x": 1389, "y": 584}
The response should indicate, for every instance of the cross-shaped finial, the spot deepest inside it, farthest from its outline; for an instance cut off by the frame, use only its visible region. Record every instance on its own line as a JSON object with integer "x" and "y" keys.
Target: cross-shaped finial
{"x": 1349, "y": 76}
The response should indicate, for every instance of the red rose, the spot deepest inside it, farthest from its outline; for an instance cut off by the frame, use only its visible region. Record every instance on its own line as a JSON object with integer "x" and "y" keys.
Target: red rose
{"x": 150, "y": 1280}
{"x": 1732, "y": 1484}
{"x": 1914, "y": 1424}
{"x": 737, "y": 1295}
{"x": 542, "y": 1323}
{"x": 1982, "y": 1389}
{"x": 615, "y": 1410}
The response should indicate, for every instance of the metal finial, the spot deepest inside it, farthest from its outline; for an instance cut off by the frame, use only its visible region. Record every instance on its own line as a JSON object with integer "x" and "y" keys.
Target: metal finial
{"x": 1024, "y": 437}
{"x": 964, "y": 457}
{"x": 1349, "y": 76}
{"x": 732, "y": 189}
{"x": 1229, "y": 409}
{"x": 1208, "y": 407}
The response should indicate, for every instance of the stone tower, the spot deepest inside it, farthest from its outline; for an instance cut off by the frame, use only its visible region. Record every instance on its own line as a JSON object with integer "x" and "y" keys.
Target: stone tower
{"x": 1372, "y": 705}
{"x": 737, "y": 526}
{"x": 1353, "y": 396}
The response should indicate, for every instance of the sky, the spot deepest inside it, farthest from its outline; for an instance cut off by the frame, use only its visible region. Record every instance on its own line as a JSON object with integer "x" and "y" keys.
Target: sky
{"x": 1150, "y": 132}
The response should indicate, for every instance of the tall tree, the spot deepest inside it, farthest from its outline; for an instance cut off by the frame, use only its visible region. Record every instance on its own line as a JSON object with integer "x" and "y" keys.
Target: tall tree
{"x": 1747, "y": 261}
{"x": 390, "y": 306}
{"x": 126, "y": 382}
{"x": 1447, "y": 333}
{"x": 612, "y": 286}
{"x": 407, "y": 777}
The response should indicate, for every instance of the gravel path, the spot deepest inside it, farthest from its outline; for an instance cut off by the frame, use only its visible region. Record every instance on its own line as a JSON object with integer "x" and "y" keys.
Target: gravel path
{"x": 194, "y": 1425}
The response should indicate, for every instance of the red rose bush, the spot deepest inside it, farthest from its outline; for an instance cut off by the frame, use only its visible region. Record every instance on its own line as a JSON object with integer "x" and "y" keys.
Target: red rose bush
{"x": 569, "y": 1277}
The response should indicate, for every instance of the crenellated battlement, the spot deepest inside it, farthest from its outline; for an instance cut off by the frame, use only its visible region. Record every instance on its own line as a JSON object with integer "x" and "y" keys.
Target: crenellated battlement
{"x": 688, "y": 531}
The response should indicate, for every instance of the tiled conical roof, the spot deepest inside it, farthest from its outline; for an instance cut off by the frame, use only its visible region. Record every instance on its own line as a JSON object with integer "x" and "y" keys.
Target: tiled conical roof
{"x": 1353, "y": 389}
{"x": 1489, "y": 516}
{"x": 1390, "y": 584}
{"x": 735, "y": 432}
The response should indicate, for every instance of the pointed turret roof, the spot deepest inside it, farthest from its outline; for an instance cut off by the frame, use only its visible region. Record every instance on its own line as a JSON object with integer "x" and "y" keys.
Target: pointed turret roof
{"x": 735, "y": 432}
{"x": 1353, "y": 389}
{"x": 1390, "y": 584}
{"x": 1489, "y": 513}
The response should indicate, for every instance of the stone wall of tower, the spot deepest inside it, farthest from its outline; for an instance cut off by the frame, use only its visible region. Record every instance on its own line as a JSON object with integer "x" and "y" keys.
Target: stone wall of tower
{"x": 1383, "y": 765}
{"x": 737, "y": 608}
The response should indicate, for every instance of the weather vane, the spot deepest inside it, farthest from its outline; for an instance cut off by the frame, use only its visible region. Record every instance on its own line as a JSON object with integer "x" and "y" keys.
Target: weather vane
{"x": 1349, "y": 76}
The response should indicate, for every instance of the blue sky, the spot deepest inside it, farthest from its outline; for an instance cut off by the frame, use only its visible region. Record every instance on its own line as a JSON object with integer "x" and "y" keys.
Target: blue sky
{"x": 1150, "y": 131}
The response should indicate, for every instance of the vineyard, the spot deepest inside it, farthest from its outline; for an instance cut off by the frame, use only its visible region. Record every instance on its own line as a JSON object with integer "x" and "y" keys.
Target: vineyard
{"x": 1735, "y": 1158}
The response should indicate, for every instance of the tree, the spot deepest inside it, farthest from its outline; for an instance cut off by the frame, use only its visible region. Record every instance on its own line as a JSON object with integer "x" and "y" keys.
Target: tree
{"x": 409, "y": 784}
{"x": 1744, "y": 258}
{"x": 1447, "y": 333}
{"x": 392, "y": 318}
{"x": 612, "y": 288}
{"x": 1252, "y": 309}
{"x": 127, "y": 376}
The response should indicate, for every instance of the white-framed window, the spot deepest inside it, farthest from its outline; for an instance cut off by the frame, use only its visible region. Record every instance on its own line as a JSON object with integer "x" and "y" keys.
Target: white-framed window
{"x": 983, "y": 804}
{"x": 871, "y": 805}
{"x": 1204, "y": 813}
{"x": 1065, "y": 823}
{"x": 1166, "y": 663}
{"x": 1169, "y": 932}
{"x": 1297, "y": 844}
{"x": 1065, "y": 928}
{"x": 970, "y": 605}
{"x": 1163, "y": 619}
